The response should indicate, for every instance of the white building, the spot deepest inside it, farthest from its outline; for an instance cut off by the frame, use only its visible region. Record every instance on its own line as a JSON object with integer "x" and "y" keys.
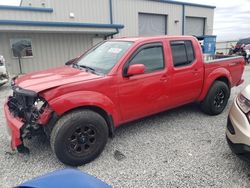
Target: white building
{"x": 54, "y": 31}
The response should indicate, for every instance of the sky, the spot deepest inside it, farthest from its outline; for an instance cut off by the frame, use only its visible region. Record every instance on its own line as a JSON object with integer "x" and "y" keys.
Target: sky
{"x": 231, "y": 18}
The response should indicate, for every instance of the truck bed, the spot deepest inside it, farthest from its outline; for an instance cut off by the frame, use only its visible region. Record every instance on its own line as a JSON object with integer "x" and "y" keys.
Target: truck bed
{"x": 217, "y": 58}
{"x": 233, "y": 64}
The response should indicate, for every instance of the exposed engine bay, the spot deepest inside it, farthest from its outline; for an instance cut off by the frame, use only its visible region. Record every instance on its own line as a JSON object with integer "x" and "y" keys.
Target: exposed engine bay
{"x": 31, "y": 109}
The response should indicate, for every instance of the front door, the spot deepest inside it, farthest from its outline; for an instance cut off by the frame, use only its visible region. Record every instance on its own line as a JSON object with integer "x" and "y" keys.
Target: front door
{"x": 147, "y": 93}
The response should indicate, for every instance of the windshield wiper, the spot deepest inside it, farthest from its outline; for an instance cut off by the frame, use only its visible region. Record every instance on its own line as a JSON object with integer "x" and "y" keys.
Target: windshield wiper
{"x": 88, "y": 68}
{"x": 74, "y": 65}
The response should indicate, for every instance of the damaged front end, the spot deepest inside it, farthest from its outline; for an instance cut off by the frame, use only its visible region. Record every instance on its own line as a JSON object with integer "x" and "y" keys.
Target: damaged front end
{"x": 26, "y": 113}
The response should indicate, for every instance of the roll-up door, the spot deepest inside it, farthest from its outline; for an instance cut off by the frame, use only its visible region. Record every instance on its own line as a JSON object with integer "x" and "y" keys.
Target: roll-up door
{"x": 194, "y": 26}
{"x": 152, "y": 24}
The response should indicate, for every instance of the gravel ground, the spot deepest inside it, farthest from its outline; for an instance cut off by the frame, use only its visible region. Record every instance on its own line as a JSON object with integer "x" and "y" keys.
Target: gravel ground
{"x": 178, "y": 148}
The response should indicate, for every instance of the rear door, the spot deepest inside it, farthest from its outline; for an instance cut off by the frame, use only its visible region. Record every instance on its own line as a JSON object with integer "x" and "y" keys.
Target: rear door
{"x": 187, "y": 74}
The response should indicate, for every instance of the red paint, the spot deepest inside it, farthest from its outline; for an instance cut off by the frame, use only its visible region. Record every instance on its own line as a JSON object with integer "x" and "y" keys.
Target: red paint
{"x": 14, "y": 125}
{"x": 44, "y": 117}
{"x": 136, "y": 69}
{"x": 129, "y": 98}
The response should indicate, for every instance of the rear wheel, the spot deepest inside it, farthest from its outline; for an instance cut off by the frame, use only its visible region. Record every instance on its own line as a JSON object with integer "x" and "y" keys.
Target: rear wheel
{"x": 79, "y": 137}
{"x": 216, "y": 99}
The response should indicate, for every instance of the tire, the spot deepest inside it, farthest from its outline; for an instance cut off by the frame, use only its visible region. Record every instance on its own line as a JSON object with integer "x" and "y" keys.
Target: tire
{"x": 79, "y": 137}
{"x": 216, "y": 99}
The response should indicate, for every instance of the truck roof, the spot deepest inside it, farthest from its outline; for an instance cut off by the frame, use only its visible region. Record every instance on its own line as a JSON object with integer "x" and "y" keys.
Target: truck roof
{"x": 137, "y": 39}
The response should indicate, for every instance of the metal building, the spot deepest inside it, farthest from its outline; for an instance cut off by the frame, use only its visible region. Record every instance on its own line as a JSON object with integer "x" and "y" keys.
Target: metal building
{"x": 50, "y": 32}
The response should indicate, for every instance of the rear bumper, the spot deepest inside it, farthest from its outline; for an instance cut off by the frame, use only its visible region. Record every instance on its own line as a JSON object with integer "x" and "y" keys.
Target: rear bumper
{"x": 14, "y": 126}
{"x": 240, "y": 82}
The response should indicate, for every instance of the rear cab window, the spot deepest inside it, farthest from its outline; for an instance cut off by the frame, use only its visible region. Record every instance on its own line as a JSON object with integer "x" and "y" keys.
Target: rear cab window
{"x": 182, "y": 53}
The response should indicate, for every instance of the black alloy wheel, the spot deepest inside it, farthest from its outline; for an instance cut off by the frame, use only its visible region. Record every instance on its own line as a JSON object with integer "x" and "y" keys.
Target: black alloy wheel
{"x": 82, "y": 140}
{"x": 79, "y": 137}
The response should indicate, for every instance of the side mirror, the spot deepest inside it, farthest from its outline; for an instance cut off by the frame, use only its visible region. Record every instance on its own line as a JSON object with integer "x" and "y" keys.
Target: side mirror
{"x": 135, "y": 69}
{"x": 71, "y": 61}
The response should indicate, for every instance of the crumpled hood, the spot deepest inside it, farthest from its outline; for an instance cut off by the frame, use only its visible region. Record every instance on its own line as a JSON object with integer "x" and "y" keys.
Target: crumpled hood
{"x": 246, "y": 92}
{"x": 43, "y": 80}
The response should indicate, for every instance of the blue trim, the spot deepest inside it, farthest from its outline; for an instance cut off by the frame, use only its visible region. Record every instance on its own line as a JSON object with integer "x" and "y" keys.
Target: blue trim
{"x": 183, "y": 19}
{"x": 184, "y": 3}
{"x": 111, "y": 11}
{"x": 25, "y": 8}
{"x": 60, "y": 24}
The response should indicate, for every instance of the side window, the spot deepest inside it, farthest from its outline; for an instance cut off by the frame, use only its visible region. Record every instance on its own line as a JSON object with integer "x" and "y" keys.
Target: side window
{"x": 21, "y": 47}
{"x": 182, "y": 53}
{"x": 190, "y": 51}
{"x": 151, "y": 57}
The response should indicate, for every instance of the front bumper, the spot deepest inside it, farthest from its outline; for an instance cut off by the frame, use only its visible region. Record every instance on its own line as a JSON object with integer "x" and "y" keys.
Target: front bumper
{"x": 238, "y": 130}
{"x": 14, "y": 126}
{"x": 240, "y": 149}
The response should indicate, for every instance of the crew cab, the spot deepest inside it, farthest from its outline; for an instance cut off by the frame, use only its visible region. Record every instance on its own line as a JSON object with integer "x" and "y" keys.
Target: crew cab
{"x": 79, "y": 105}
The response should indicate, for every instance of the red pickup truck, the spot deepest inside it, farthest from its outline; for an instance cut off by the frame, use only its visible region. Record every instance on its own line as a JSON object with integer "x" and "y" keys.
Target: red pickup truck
{"x": 79, "y": 105}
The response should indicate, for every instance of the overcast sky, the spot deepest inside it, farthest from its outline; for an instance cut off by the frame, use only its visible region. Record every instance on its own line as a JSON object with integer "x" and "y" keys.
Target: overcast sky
{"x": 231, "y": 19}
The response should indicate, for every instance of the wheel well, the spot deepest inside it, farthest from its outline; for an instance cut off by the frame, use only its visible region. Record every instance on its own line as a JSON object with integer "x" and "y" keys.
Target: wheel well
{"x": 222, "y": 79}
{"x": 225, "y": 80}
{"x": 108, "y": 117}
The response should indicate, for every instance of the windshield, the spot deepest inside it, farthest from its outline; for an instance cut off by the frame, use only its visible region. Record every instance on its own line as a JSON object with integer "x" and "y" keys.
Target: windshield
{"x": 102, "y": 58}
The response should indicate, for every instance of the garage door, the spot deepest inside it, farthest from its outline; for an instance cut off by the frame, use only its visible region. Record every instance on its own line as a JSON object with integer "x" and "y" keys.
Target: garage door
{"x": 194, "y": 26}
{"x": 152, "y": 24}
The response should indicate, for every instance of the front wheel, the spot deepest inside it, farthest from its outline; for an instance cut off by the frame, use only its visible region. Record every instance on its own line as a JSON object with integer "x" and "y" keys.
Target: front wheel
{"x": 79, "y": 137}
{"x": 216, "y": 99}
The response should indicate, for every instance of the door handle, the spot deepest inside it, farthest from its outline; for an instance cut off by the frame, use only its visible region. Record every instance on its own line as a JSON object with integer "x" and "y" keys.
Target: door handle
{"x": 164, "y": 78}
{"x": 195, "y": 72}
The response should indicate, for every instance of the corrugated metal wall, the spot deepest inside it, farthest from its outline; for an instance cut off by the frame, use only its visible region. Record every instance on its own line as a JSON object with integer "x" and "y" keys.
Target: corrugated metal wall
{"x": 49, "y": 50}
{"x": 126, "y": 12}
{"x": 195, "y": 26}
{"x": 152, "y": 24}
{"x": 206, "y": 13}
{"x": 36, "y": 3}
{"x": 86, "y": 11}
